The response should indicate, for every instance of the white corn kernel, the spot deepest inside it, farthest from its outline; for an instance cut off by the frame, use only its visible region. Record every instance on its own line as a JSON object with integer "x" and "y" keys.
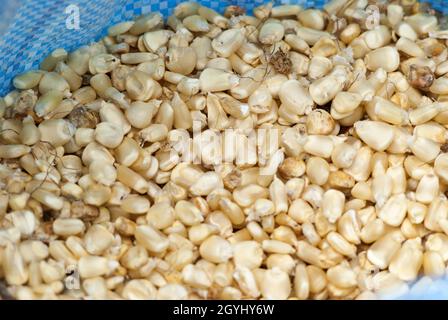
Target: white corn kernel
{"x": 386, "y": 58}
{"x": 408, "y": 260}
{"x": 376, "y": 135}
{"x": 383, "y": 250}
{"x": 333, "y": 205}
{"x": 247, "y": 254}
{"x": 95, "y": 266}
{"x": 317, "y": 170}
{"x": 150, "y": 238}
{"x": 68, "y": 226}
{"x": 275, "y": 285}
{"x": 216, "y": 249}
{"x": 427, "y": 189}
{"x": 135, "y": 204}
{"x": 394, "y": 210}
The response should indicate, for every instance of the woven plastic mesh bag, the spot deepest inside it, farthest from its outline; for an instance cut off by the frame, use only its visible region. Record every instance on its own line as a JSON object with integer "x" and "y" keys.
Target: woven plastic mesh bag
{"x": 31, "y": 29}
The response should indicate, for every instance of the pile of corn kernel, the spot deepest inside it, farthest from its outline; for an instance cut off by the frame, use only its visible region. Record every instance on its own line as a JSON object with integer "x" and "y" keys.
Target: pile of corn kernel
{"x": 100, "y": 200}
